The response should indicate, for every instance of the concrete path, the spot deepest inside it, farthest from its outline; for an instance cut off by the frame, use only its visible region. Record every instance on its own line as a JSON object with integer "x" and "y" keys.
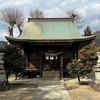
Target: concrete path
{"x": 52, "y": 92}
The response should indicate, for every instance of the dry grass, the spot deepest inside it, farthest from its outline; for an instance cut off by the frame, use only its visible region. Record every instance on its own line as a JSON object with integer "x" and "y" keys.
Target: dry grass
{"x": 82, "y": 92}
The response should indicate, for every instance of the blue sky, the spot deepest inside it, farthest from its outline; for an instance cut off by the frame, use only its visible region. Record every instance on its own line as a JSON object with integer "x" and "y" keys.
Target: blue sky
{"x": 89, "y": 9}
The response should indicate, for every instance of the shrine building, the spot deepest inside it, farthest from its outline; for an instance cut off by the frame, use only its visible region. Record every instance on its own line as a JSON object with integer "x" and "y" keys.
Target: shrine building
{"x": 49, "y": 44}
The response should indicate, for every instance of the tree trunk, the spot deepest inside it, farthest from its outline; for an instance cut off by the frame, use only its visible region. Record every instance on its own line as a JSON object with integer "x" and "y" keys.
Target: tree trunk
{"x": 11, "y": 34}
{"x": 78, "y": 78}
{"x": 16, "y": 76}
{"x": 19, "y": 30}
{"x": 10, "y": 29}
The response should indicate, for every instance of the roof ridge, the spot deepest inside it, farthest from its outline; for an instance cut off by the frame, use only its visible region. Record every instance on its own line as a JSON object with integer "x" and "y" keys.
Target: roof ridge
{"x": 49, "y": 19}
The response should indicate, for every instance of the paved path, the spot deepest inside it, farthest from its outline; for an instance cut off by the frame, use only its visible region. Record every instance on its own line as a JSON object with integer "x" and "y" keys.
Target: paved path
{"x": 47, "y": 90}
{"x": 52, "y": 92}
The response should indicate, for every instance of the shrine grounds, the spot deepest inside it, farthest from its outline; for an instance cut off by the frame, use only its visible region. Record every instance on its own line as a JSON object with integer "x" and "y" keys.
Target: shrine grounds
{"x": 19, "y": 90}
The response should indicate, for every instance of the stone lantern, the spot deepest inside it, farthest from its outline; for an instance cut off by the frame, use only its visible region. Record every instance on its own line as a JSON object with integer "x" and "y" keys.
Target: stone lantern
{"x": 97, "y": 70}
{"x": 96, "y": 83}
{"x": 2, "y": 71}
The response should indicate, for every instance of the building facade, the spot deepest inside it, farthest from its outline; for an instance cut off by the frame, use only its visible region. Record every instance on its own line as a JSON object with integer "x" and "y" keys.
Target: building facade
{"x": 49, "y": 44}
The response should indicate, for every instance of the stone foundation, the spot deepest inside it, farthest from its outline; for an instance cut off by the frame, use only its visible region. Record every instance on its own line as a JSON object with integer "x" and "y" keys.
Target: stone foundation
{"x": 95, "y": 86}
{"x": 3, "y": 88}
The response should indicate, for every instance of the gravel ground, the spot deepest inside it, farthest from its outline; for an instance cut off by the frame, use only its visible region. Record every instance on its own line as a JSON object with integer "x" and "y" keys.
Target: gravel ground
{"x": 19, "y": 92}
{"x": 26, "y": 91}
{"x": 81, "y": 92}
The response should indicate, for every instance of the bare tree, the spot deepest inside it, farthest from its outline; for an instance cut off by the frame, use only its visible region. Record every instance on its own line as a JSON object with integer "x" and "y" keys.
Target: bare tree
{"x": 77, "y": 17}
{"x": 12, "y": 16}
{"x": 36, "y": 14}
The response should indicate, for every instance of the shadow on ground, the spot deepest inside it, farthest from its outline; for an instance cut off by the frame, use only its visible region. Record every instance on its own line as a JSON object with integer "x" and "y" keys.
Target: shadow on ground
{"x": 12, "y": 86}
{"x": 19, "y": 92}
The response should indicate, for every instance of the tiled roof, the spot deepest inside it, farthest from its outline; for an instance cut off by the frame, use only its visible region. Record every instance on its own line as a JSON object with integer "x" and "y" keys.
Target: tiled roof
{"x": 50, "y": 29}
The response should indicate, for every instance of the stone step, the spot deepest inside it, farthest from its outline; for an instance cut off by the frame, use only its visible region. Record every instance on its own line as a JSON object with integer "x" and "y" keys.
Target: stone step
{"x": 52, "y": 78}
{"x": 55, "y": 72}
{"x": 51, "y": 75}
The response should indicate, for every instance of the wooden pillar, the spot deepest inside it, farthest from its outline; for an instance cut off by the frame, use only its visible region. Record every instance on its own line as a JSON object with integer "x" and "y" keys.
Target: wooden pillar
{"x": 26, "y": 57}
{"x": 61, "y": 66}
{"x": 40, "y": 64}
{"x": 76, "y": 52}
{"x": 25, "y": 54}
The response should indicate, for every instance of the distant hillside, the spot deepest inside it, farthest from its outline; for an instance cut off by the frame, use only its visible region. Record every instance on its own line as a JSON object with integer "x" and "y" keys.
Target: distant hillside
{"x": 97, "y": 39}
{"x": 3, "y": 43}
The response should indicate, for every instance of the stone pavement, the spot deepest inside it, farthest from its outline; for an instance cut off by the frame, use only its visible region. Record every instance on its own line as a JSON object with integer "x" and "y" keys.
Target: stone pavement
{"x": 52, "y": 92}
{"x": 47, "y": 90}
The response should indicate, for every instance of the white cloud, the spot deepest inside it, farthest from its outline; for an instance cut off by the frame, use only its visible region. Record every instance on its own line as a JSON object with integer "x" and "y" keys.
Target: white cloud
{"x": 94, "y": 24}
{"x": 97, "y": 6}
{"x": 89, "y": 9}
{"x": 73, "y": 1}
